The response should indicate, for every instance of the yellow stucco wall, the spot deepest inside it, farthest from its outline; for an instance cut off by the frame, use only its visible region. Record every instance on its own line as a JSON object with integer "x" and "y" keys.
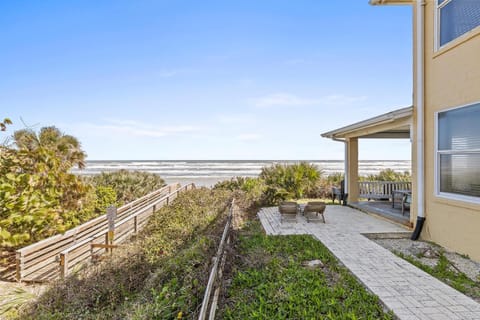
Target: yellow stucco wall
{"x": 452, "y": 79}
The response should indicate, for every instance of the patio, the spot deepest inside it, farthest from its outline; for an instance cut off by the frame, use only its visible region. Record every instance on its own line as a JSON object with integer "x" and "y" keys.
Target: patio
{"x": 406, "y": 290}
{"x": 396, "y": 124}
{"x": 384, "y": 209}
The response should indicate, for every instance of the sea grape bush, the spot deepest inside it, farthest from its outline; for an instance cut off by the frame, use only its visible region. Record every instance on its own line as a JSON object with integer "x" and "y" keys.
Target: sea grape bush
{"x": 38, "y": 195}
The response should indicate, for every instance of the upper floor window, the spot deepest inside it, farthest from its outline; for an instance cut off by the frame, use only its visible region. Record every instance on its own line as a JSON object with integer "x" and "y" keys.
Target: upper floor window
{"x": 458, "y": 153}
{"x": 456, "y": 17}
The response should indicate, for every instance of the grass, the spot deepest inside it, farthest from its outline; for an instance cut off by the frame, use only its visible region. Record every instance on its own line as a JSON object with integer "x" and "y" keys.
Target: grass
{"x": 270, "y": 282}
{"x": 11, "y": 301}
{"x": 446, "y": 272}
{"x": 162, "y": 275}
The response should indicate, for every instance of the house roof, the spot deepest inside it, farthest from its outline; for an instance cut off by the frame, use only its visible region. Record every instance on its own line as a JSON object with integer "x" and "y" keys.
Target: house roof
{"x": 392, "y": 125}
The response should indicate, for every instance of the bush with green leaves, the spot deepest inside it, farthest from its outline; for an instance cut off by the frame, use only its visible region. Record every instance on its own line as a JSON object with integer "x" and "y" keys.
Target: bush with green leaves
{"x": 289, "y": 181}
{"x": 129, "y": 185}
{"x": 388, "y": 175}
{"x": 105, "y": 197}
{"x": 39, "y": 196}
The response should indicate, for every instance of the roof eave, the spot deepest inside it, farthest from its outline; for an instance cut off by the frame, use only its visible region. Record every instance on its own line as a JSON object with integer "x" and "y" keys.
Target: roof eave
{"x": 375, "y": 121}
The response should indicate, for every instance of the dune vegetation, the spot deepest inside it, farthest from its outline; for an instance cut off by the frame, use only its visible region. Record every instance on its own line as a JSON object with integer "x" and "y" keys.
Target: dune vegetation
{"x": 159, "y": 275}
{"x": 40, "y": 197}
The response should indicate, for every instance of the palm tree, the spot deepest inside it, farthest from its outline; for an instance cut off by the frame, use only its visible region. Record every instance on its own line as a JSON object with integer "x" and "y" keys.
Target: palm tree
{"x": 65, "y": 146}
{"x": 4, "y": 123}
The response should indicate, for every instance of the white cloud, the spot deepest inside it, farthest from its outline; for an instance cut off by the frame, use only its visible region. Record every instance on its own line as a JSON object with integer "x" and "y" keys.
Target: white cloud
{"x": 133, "y": 128}
{"x": 282, "y": 99}
{"x": 290, "y": 100}
{"x": 236, "y": 118}
{"x": 339, "y": 99}
{"x": 248, "y": 137}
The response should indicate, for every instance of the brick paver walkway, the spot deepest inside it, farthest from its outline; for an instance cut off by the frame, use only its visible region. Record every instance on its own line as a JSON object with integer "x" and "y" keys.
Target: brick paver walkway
{"x": 406, "y": 290}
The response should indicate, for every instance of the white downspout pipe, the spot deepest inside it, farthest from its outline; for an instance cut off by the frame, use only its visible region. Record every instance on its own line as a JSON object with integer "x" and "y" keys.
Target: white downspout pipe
{"x": 420, "y": 104}
{"x": 420, "y": 84}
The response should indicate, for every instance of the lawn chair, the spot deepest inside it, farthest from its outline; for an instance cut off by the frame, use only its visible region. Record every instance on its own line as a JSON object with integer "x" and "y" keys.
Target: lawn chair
{"x": 288, "y": 211}
{"x": 313, "y": 210}
{"x": 406, "y": 201}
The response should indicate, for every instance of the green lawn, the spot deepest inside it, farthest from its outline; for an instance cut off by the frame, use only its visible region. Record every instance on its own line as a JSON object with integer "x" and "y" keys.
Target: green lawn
{"x": 270, "y": 282}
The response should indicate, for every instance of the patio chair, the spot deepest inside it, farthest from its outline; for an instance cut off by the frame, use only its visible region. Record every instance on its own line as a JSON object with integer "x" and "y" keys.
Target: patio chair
{"x": 288, "y": 211}
{"x": 407, "y": 199}
{"x": 313, "y": 210}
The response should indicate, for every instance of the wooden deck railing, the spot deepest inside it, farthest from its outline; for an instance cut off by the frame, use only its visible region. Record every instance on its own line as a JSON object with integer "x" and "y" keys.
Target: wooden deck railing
{"x": 58, "y": 255}
{"x": 381, "y": 189}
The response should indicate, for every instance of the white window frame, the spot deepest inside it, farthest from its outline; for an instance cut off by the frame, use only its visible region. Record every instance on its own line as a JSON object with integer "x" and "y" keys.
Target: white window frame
{"x": 437, "y": 192}
{"x": 437, "y": 26}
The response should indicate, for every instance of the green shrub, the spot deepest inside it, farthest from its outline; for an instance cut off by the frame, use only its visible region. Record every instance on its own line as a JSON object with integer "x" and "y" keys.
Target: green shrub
{"x": 129, "y": 185}
{"x": 39, "y": 196}
{"x": 388, "y": 175}
{"x": 289, "y": 181}
{"x": 105, "y": 197}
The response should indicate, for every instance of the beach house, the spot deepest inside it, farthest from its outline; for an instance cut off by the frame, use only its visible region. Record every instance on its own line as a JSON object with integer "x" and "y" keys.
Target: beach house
{"x": 443, "y": 125}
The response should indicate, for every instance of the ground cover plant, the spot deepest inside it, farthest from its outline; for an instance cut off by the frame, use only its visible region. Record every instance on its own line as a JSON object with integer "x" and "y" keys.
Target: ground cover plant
{"x": 270, "y": 281}
{"x": 161, "y": 275}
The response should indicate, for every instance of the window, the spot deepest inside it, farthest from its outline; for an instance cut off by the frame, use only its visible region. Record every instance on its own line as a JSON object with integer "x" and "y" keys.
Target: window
{"x": 456, "y": 17}
{"x": 458, "y": 152}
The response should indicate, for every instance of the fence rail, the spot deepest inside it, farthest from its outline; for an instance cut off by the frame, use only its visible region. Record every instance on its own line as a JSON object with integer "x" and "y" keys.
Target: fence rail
{"x": 58, "y": 255}
{"x": 216, "y": 272}
{"x": 381, "y": 189}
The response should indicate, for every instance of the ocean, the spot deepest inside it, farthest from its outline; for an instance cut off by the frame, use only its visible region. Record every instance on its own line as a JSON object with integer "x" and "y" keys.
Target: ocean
{"x": 209, "y": 172}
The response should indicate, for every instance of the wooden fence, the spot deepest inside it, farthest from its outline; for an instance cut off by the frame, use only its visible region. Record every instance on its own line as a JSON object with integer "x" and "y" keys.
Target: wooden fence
{"x": 381, "y": 189}
{"x": 57, "y": 256}
{"x": 209, "y": 303}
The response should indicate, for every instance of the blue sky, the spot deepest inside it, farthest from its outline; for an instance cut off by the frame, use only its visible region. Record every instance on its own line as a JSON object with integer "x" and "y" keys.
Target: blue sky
{"x": 230, "y": 79}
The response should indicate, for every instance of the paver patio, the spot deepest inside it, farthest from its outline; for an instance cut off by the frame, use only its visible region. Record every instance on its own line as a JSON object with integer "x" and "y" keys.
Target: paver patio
{"x": 406, "y": 290}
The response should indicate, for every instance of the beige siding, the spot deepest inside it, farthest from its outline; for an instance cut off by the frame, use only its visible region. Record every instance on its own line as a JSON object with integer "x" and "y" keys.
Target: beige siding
{"x": 452, "y": 77}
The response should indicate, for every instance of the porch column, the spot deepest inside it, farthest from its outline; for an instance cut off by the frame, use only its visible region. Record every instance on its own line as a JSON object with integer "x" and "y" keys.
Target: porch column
{"x": 352, "y": 156}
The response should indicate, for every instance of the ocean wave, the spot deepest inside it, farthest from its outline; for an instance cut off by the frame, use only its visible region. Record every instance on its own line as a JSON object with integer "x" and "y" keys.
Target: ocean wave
{"x": 227, "y": 169}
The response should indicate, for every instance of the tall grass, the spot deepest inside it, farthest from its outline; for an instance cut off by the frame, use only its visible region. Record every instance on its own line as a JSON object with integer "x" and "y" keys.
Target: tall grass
{"x": 159, "y": 276}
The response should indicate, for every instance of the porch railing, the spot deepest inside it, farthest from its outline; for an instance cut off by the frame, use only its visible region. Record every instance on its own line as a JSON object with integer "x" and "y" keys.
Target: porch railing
{"x": 381, "y": 189}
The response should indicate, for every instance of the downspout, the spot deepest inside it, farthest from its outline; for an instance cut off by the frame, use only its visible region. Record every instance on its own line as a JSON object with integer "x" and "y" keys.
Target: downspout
{"x": 419, "y": 97}
{"x": 345, "y": 169}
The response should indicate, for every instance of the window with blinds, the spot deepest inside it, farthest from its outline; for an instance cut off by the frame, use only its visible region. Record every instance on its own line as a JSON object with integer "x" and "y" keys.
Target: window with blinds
{"x": 458, "y": 152}
{"x": 455, "y": 18}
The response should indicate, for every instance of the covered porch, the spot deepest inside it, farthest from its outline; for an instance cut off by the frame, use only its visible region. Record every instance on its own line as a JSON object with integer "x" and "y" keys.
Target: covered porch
{"x": 383, "y": 198}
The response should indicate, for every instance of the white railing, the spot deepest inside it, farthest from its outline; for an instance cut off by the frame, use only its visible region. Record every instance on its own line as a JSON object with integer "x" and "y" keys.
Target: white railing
{"x": 381, "y": 189}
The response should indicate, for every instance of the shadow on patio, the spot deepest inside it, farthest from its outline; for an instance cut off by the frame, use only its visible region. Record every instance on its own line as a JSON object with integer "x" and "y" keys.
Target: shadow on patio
{"x": 384, "y": 209}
